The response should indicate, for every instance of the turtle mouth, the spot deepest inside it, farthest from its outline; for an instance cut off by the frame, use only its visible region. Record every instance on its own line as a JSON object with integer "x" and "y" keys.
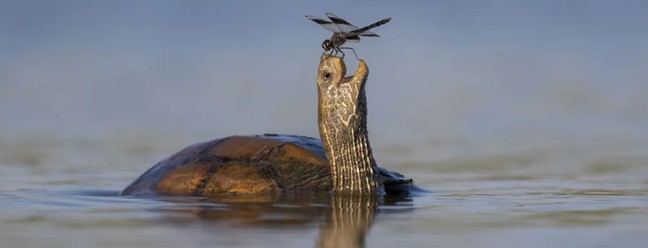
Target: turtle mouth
{"x": 359, "y": 75}
{"x": 346, "y": 80}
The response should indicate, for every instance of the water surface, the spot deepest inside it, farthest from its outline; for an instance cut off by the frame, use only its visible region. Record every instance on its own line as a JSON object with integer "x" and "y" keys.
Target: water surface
{"x": 538, "y": 198}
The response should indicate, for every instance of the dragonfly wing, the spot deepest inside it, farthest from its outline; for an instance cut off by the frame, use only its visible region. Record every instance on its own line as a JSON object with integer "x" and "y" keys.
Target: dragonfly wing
{"x": 342, "y": 24}
{"x": 375, "y": 24}
{"x": 325, "y": 24}
{"x": 368, "y": 34}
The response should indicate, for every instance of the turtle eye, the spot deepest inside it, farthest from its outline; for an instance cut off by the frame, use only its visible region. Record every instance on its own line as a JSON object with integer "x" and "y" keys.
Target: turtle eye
{"x": 327, "y": 76}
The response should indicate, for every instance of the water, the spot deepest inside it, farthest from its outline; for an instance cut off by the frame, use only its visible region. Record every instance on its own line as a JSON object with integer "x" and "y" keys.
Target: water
{"x": 64, "y": 194}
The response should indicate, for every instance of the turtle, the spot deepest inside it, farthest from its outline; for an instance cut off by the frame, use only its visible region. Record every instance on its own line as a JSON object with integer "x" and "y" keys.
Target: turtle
{"x": 341, "y": 163}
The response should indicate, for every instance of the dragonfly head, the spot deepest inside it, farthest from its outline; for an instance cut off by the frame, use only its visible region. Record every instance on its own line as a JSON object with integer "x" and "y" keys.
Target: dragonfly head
{"x": 327, "y": 45}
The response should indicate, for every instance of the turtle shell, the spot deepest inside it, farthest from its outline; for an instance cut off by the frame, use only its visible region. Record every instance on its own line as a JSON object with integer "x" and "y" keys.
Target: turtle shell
{"x": 257, "y": 164}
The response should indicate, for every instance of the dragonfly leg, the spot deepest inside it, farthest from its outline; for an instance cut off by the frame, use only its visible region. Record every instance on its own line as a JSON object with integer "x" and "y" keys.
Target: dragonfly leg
{"x": 356, "y": 55}
{"x": 336, "y": 51}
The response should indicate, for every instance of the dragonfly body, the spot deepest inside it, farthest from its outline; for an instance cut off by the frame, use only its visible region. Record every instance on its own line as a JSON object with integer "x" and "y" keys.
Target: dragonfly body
{"x": 344, "y": 31}
{"x": 336, "y": 40}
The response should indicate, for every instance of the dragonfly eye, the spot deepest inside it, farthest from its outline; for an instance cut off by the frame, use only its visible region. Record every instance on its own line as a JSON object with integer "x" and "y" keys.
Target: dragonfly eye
{"x": 326, "y": 45}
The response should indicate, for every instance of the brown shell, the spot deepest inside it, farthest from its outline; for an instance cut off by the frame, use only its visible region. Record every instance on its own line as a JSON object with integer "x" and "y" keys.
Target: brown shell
{"x": 239, "y": 165}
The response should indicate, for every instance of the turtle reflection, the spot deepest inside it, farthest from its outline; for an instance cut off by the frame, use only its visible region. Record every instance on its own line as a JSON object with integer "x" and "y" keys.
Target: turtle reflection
{"x": 344, "y": 220}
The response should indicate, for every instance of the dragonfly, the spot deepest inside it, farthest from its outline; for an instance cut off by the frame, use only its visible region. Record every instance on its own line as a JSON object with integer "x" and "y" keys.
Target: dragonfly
{"x": 344, "y": 31}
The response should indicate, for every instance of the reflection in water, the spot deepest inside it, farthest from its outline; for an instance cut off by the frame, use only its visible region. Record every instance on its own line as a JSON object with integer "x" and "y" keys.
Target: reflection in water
{"x": 347, "y": 219}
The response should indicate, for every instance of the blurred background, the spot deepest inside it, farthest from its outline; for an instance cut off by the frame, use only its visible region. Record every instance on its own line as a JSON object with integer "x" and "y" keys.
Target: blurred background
{"x": 448, "y": 78}
{"x": 527, "y": 119}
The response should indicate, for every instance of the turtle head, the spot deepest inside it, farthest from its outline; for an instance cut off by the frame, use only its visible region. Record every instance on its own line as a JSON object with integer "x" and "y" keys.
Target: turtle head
{"x": 332, "y": 72}
{"x": 342, "y": 99}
